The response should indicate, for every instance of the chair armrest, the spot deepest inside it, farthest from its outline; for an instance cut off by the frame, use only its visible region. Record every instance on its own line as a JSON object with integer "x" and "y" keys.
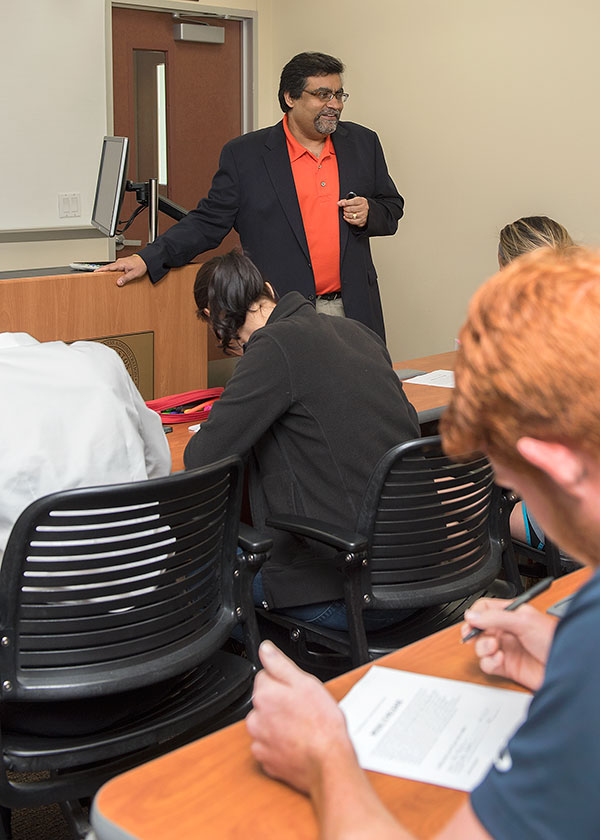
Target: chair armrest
{"x": 351, "y": 560}
{"x": 323, "y": 532}
{"x": 252, "y": 541}
{"x": 256, "y": 548}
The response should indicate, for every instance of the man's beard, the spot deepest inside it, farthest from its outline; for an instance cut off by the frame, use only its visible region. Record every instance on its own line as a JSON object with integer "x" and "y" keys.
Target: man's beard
{"x": 327, "y": 126}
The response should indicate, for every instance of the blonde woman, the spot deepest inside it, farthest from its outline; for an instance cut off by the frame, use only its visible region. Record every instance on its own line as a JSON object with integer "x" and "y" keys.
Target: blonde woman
{"x": 520, "y": 237}
{"x": 529, "y": 233}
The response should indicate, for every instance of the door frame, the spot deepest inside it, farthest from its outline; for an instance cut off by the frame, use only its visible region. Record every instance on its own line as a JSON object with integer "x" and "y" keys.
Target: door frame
{"x": 191, "y": 9}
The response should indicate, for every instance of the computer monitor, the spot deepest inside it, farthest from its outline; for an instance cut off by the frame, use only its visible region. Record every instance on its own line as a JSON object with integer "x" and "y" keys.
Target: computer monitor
{"x": 110, "y": 187}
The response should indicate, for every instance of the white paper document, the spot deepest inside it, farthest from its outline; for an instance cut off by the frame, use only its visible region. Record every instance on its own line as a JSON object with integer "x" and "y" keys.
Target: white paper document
{"x": 430, "y": 729}
{"x": 439, "y": 378}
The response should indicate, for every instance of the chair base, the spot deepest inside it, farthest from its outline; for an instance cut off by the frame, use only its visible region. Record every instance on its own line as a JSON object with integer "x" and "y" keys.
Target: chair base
{"x": 81, "y": 765}
{"x": 5, "y": 826}
{"x": 543, "y": 562}
{"x": 77, "y": 818}
{"x": 326, "y": 653}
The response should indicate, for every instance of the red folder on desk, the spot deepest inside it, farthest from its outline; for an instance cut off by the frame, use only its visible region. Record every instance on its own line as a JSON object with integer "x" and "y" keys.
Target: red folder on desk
{"x": 190, "y": 407}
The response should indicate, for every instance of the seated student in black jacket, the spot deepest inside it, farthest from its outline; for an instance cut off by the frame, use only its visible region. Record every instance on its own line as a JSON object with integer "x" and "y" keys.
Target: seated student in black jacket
{"x": 314, "y": 403}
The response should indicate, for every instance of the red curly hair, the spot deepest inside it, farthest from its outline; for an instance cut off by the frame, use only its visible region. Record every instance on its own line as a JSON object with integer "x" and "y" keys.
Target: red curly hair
{"x": 529, "y": 360}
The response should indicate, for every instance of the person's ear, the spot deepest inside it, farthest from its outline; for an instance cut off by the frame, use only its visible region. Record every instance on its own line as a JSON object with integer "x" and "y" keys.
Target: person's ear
{"x": 270, "y": 288}
{"x": 206, "y": 311}
{"x": 289, "y": 100}
{"x": 562, "y": 464}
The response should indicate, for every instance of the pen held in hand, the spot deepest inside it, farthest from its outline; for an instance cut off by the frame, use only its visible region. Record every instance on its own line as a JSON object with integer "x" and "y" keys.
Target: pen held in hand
{"x": 520, "y": 599}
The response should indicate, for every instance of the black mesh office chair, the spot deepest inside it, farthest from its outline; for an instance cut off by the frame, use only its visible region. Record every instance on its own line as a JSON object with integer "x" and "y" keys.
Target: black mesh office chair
{"x": 429, "y": 537}
{"x": 129, "y": 591}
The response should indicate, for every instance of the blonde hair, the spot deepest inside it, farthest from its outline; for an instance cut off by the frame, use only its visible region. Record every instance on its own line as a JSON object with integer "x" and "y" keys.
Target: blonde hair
{"x": 529, "y": 360}
{"x": 529, "y": 233}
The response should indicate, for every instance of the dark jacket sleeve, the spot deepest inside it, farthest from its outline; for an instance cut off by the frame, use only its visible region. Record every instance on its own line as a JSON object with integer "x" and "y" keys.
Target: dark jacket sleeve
{"x": 203, "y": 228}
{"x": 257, "y": 394}
{"x": 386, "y": 205}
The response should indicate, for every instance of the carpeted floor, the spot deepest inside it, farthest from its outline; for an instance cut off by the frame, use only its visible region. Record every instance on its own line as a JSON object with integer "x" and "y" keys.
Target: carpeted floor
{"x": 45, "y": 823}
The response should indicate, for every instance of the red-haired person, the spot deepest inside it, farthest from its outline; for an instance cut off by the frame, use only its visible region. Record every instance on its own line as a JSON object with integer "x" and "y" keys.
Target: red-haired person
{"x": 528, "y": 395}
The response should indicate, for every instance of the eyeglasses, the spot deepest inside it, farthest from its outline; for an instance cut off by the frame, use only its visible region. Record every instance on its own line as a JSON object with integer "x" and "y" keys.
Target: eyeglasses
{"x": 327, "y": 95}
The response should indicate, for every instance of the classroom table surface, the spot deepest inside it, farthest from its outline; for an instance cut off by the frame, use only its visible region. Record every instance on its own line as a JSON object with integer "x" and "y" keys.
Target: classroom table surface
{"x": 214, "y": 788}
{"x": 428, "y": 400}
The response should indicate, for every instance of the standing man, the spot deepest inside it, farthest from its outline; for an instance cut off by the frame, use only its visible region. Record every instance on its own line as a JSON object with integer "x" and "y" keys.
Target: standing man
{"x": 305, "y": 196}
{"x": 539, "y": 424}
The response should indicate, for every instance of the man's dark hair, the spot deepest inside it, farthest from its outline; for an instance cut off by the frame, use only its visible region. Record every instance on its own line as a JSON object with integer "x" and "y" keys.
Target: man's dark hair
{"x": 299, "y": 68}
{"x": 227, "y": 286}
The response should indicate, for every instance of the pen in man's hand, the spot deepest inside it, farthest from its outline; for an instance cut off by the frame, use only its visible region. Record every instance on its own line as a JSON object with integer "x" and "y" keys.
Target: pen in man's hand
{"x": 521, "y": 599}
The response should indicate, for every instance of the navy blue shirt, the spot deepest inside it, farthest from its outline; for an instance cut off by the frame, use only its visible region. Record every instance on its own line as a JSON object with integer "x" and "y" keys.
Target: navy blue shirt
{"x": 546, "y": 784}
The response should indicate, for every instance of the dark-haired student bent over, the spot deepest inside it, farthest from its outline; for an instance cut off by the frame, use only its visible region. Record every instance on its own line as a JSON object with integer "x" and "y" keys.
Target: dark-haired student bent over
{"x": 314, "y": 403}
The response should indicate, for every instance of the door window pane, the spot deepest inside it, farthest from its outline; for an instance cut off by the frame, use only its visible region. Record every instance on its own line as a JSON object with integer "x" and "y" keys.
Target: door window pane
{"x": 150, "y": 103}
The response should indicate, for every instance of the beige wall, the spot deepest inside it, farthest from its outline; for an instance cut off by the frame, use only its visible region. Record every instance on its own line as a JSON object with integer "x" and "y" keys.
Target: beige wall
{"x": 486, "y": 111}
{"x": 56, "y": 101}
{"x": 53, "y": 101}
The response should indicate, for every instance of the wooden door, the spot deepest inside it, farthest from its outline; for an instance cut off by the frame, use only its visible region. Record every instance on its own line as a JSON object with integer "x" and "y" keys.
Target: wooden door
{"x": 203, "y": 108}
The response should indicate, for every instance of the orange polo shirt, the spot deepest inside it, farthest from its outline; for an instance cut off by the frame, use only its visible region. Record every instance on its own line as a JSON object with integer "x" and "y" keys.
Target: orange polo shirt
{"x": 318, "y": 189}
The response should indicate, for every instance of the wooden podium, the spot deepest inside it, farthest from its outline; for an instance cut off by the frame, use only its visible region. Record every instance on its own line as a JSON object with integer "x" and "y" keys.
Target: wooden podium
{"x": 82, "y": 305}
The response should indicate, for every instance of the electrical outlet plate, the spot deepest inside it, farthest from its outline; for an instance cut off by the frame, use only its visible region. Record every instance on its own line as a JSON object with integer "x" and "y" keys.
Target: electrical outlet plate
{"x": 69, "y": 205}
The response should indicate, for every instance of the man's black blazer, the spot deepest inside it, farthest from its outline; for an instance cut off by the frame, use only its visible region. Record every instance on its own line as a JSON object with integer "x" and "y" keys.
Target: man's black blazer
{"x": 253, "y": 192}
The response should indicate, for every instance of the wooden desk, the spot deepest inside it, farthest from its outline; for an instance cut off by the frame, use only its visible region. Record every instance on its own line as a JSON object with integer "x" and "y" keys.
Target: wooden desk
{"x": 429, "y": 401}
{"x": 82, "y": 305}
{"x": 212, "y": 788}
{"x": 177, "y": 440}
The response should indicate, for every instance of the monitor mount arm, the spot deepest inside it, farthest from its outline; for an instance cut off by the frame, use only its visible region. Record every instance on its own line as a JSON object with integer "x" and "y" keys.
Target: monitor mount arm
{"x": 147, "y": 195}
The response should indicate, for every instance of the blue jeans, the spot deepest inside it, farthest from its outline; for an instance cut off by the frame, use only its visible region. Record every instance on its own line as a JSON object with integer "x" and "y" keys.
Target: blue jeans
{"x": 331, "y": 614}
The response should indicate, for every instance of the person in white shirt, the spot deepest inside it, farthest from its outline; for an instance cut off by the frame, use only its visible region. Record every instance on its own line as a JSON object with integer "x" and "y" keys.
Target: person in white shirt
{"x": 71, "y": 417}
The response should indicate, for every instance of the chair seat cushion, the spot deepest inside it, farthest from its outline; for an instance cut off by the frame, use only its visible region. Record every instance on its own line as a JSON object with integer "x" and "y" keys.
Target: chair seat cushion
{"x": 223, "y": 681}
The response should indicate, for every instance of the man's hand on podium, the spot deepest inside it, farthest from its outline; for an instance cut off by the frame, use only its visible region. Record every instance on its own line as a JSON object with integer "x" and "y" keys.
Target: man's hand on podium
{"x": 133, "y": 268}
